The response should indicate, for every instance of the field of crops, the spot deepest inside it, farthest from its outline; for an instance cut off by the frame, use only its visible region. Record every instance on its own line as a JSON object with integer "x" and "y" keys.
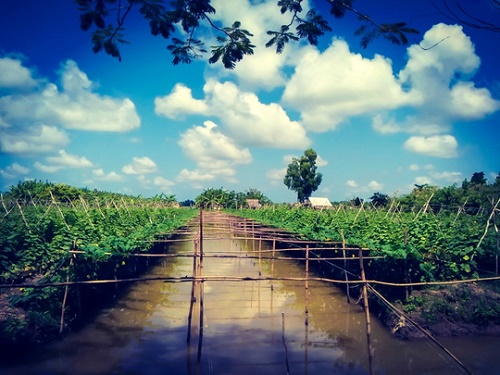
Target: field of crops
{"x": 431, "y": 264}
{"x": 443, "y": 246}
{"x": 55, "y": 234}
{"x": 50, "y": 242}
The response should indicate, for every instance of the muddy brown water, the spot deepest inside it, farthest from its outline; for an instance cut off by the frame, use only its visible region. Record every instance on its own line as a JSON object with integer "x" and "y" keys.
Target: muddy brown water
{"x": 249, "y": 327}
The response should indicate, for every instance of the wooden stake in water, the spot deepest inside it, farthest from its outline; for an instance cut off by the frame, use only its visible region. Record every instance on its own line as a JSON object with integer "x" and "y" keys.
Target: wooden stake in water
{"x": 346, "y": 275}
{"x": 200, "y": 335}
{"x": 284, "y": 342}
{"x": 193, "y": 288}
{"x": 307, "y": 285}
{"x": 61, "y": 325}
{"x": 367, "y": 311}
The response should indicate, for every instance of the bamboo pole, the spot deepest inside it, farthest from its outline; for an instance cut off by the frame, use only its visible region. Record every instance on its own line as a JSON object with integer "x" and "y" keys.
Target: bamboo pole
{"x": 284, "y": 342}
{"x": 307, "y": 287}
{"x": 497, "y": 249}
{"x": 460, "y": 209}
{"x": 202, "y": 302}
{"x": 427, "y": 334}
{"x": 424, "y": 207}
{"x": 367, "y": 312}
{"x": 24, "y": 218}
{"x": 244, "y": 279}
{"x": 193, "y": 289}
{"x": 61, "y": 324}
{"x": 7, "y": 212}
{"x": 3, "y": 204}
{"x": 260, "y": 256}
{"x": 346, "y": 274}
{"x": 99, "y": 208}
{"x": 359, "y": 211}
{"x": 407, "y": 291}
{"x": 492, "y": 216}
{"x": 60, "y": 212}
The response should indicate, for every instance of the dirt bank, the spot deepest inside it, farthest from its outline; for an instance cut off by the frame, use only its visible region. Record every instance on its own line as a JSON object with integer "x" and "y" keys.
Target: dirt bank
{"x": 457, "y": 310}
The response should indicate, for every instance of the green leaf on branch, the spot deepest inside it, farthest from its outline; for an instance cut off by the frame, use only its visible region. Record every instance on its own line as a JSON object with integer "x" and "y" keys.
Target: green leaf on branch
{"x": 281, "y": 38}
{"x": 290, "y": 6}
{"x": 396, "y": 33}
{"x": 107, "y": 39}
{"x": 313, "y": 27}
{"x": 233, "y": 47}
{"x": 186, "y": 51}
{"x": 339, "y": 8}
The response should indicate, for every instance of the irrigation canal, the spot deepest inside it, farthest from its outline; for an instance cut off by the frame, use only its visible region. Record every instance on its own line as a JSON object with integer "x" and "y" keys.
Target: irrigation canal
{"x": 252, "y": 322}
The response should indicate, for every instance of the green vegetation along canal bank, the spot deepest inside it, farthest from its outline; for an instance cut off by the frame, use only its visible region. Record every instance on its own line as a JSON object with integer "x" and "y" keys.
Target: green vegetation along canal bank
{"x": 438, "y": 269}
{"x": 431, "y": 265}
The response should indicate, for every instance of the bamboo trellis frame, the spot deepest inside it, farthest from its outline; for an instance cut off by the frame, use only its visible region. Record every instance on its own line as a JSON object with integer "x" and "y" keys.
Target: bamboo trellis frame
{"x": 257, "y": 233}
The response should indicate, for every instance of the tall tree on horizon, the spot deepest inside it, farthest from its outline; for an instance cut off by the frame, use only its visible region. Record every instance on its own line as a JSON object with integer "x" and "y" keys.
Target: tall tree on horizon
{"x": 302, "y": 176}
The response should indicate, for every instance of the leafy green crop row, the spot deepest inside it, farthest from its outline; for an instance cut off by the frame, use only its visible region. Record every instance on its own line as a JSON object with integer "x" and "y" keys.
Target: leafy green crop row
{"x": 35, "y": 245}
{"x": 34, "y": 241}
{"x": 425, "y": 247}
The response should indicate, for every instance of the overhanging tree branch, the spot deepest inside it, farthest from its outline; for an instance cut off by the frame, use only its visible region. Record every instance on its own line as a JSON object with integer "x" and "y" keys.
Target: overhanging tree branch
{"x": 455, "y": 12}
{"x": 107, "y": 18}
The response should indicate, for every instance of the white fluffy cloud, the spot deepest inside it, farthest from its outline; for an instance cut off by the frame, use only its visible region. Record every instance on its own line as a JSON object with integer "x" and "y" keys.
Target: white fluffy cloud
{"x": 263, "y": 69}
{"x": 439, "y": 85}
{"x": 194, "y": 176}
{"x": 448, "y": 177}
{"x": 438, "y": 82}
{"x": 13, "y": 171}
{"x": 213, "y": 152}
{"x": 241, "y": 114}
{"x": 65, "y": 159}
{"x": 370, "y": 187}
{"x": 330, "y": 87}
{"x": 112, "y": 176}
{"x": 276, "y": 176}
{"x": 33, "y": 140}
{"x": 442, "y": 146}
{"x": 164, "y": 184}
{"x": 14, "y": 75}
{"x": 61, "y": 161}
{"x": 351, "y": 183}
{"x": 374, "y": 185}
{"x": 179, "y": 102}
{"x": 140, "y": 166}
{"x": 73, "y": 106}
{"x": 47, "y": 168}
{"x": 440, "y": 76}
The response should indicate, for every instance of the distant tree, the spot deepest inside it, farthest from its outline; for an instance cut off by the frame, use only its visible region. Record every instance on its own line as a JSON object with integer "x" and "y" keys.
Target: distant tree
{"x": 187, "y": 203}
{"x": 448, "y": 196}
{"x": 420, "y": 187}
{"x": 302, "y": 177}
{"x": 478, "y": 178}
{"x": 357, "y": 201}
{"x": 107, "y": 18}
{"x": 379, "y": 199}
{"x": 257, "y": 194}
{"x": 164, "y": 198}
{"x": 215, "y": 198}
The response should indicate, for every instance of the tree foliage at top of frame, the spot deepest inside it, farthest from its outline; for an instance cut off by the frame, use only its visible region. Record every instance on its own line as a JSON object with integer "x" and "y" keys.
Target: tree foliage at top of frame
{"x": 107, "y": 18}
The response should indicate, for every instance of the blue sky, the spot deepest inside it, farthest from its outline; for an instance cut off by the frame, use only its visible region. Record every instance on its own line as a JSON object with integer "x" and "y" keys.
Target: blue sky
{"x": 381, "y": 119}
